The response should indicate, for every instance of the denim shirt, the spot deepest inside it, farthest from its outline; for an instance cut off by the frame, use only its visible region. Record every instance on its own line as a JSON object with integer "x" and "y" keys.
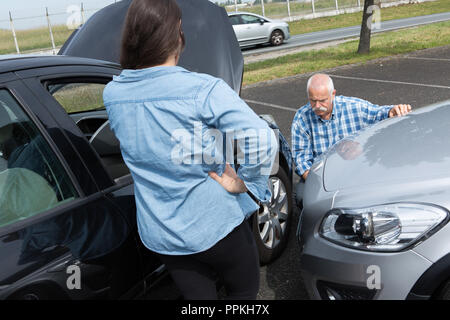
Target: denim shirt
{"x": 174, "y": 126}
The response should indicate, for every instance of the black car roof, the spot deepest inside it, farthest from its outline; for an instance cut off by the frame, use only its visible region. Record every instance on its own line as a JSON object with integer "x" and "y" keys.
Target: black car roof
{"x": 11, "y": 63}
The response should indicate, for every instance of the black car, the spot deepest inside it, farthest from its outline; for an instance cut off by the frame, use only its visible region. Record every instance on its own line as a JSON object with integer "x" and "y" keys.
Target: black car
{"x": 67, "y": 210}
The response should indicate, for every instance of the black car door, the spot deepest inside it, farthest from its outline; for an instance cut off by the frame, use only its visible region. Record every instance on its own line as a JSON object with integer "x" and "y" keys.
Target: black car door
{"x": 61, "y": 236}
{"x": 77, "y": 93}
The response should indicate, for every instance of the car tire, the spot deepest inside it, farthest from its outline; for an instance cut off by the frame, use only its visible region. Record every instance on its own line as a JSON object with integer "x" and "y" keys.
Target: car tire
{"x": 276, "y": 37}
{"x": 444, "y": 294}
{"x": 271, "y": 223}
{"x": 33, "y": 293}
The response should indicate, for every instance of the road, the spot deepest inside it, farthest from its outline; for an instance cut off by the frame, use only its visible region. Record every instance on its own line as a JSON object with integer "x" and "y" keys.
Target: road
{"x": 349, "y": 32}
{"x": 418, "y": 78}
{"x": 328, "y": 35}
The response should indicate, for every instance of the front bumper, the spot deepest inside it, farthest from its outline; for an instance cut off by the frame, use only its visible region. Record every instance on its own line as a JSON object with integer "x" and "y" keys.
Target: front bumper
{"x": 287, "y": 33}
{"x": 333, "y": 272}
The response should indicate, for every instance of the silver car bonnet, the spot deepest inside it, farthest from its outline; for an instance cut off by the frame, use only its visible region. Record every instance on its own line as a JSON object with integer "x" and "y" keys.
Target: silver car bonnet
{"x": 407, "y": 149}
{"x": 211, "y": 44}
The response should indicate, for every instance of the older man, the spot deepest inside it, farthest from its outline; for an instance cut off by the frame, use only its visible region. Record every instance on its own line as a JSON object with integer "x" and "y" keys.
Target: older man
{"x": 328, "y": 118}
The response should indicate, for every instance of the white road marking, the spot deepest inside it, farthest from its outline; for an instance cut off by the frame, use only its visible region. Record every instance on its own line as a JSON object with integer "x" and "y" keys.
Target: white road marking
{"x": 275, "y": 106}
{"x": 389, "y": 81}
{"x": 432, "y": 59}
{"x": 270, "y": 105}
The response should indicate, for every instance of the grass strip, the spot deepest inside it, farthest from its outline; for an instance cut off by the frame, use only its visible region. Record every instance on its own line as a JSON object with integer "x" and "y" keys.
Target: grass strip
{"x": 353, "y": 19}
{"x": 33, "y": 39}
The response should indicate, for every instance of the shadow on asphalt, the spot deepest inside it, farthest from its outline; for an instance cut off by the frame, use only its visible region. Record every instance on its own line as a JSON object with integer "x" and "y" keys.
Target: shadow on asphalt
{"x": 281, "y": 280}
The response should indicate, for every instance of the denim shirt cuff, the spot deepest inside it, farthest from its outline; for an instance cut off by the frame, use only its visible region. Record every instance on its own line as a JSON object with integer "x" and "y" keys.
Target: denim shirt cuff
{"x": 259, "y": 189}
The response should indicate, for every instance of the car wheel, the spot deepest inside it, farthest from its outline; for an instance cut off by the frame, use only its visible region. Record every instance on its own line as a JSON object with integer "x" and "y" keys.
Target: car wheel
{"x": 271, "y": 223}
{"x": 32, "y": 293}
{"x": 276, "y": 38}
{"x": 444, "y": 294}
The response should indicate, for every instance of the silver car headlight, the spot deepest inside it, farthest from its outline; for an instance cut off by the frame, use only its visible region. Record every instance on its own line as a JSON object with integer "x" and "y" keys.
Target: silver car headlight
{"x": 390, "y": 227}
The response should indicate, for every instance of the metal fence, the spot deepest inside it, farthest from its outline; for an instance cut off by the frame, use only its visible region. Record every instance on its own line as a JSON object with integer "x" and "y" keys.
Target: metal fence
{"x": 46, "y": 29}
{"x": 297, "y": 9}
{"x": 51, "y": 28}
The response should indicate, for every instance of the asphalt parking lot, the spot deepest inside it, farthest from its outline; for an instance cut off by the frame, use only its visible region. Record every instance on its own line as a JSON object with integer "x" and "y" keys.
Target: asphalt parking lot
{"x": 420, "y": 78}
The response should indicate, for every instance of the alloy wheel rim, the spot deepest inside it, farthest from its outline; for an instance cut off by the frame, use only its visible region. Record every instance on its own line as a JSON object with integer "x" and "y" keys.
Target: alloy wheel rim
{"x": 277, "y": 38}
{"x": 272, "y": 217}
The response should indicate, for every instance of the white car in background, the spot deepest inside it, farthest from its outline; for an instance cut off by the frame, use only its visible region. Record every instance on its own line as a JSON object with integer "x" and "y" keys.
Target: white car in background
{"x": 252, "y": 29}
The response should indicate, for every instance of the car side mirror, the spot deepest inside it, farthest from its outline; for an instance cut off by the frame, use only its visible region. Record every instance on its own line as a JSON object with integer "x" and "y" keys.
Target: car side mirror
{"x": 261, "y": 21}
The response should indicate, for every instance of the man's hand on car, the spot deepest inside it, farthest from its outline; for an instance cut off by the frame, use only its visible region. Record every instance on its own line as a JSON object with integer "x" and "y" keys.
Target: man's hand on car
{"x": 399, "y": 110}
{"x": 305, "y": 175}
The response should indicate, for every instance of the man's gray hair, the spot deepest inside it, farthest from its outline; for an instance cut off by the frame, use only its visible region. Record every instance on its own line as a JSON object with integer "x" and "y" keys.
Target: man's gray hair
{"x": 329, "y": 83}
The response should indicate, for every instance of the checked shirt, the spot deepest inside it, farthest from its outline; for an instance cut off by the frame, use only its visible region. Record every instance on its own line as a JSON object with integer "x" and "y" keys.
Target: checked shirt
{"x": 312, "y": 136}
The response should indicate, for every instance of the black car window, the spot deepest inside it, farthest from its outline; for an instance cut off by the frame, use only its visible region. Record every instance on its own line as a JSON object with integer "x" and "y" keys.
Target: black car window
{"x": 83, "y": 100}
{"x": 248, "y": 19}
{"x": 235, "y": 20}
{"x": 78, "y": 97}
{"x": 32, "y": 179}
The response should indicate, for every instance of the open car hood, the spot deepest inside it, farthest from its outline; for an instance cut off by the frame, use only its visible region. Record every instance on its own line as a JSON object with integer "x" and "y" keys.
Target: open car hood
{"x": 211, "y": 45}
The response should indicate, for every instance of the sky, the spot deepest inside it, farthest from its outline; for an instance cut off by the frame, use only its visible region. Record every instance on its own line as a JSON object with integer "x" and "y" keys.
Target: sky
{"x": 28, "y": 14}
{"x": 21, "y": 10}
{"x": 31, "y": 13}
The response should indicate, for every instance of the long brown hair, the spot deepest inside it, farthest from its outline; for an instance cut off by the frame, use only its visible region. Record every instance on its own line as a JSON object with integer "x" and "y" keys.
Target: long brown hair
{"x": 151, "y": 33}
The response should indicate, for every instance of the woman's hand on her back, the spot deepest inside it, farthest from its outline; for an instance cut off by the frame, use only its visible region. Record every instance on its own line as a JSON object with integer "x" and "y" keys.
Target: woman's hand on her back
{"x": 229, "y": 180}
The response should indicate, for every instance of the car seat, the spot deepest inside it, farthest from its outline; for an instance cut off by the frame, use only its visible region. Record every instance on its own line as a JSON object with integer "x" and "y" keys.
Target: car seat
{"x": 23, "y": 193}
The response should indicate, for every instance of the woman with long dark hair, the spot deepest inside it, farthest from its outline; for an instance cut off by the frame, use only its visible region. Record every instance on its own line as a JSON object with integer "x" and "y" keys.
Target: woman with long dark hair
{"x": 173, "y": 126}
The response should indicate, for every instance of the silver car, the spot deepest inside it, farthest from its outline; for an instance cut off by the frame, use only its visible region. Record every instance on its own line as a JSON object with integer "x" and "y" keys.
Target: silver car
{"x": 375, "y": 213}
{"x": 252, "y": 29}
